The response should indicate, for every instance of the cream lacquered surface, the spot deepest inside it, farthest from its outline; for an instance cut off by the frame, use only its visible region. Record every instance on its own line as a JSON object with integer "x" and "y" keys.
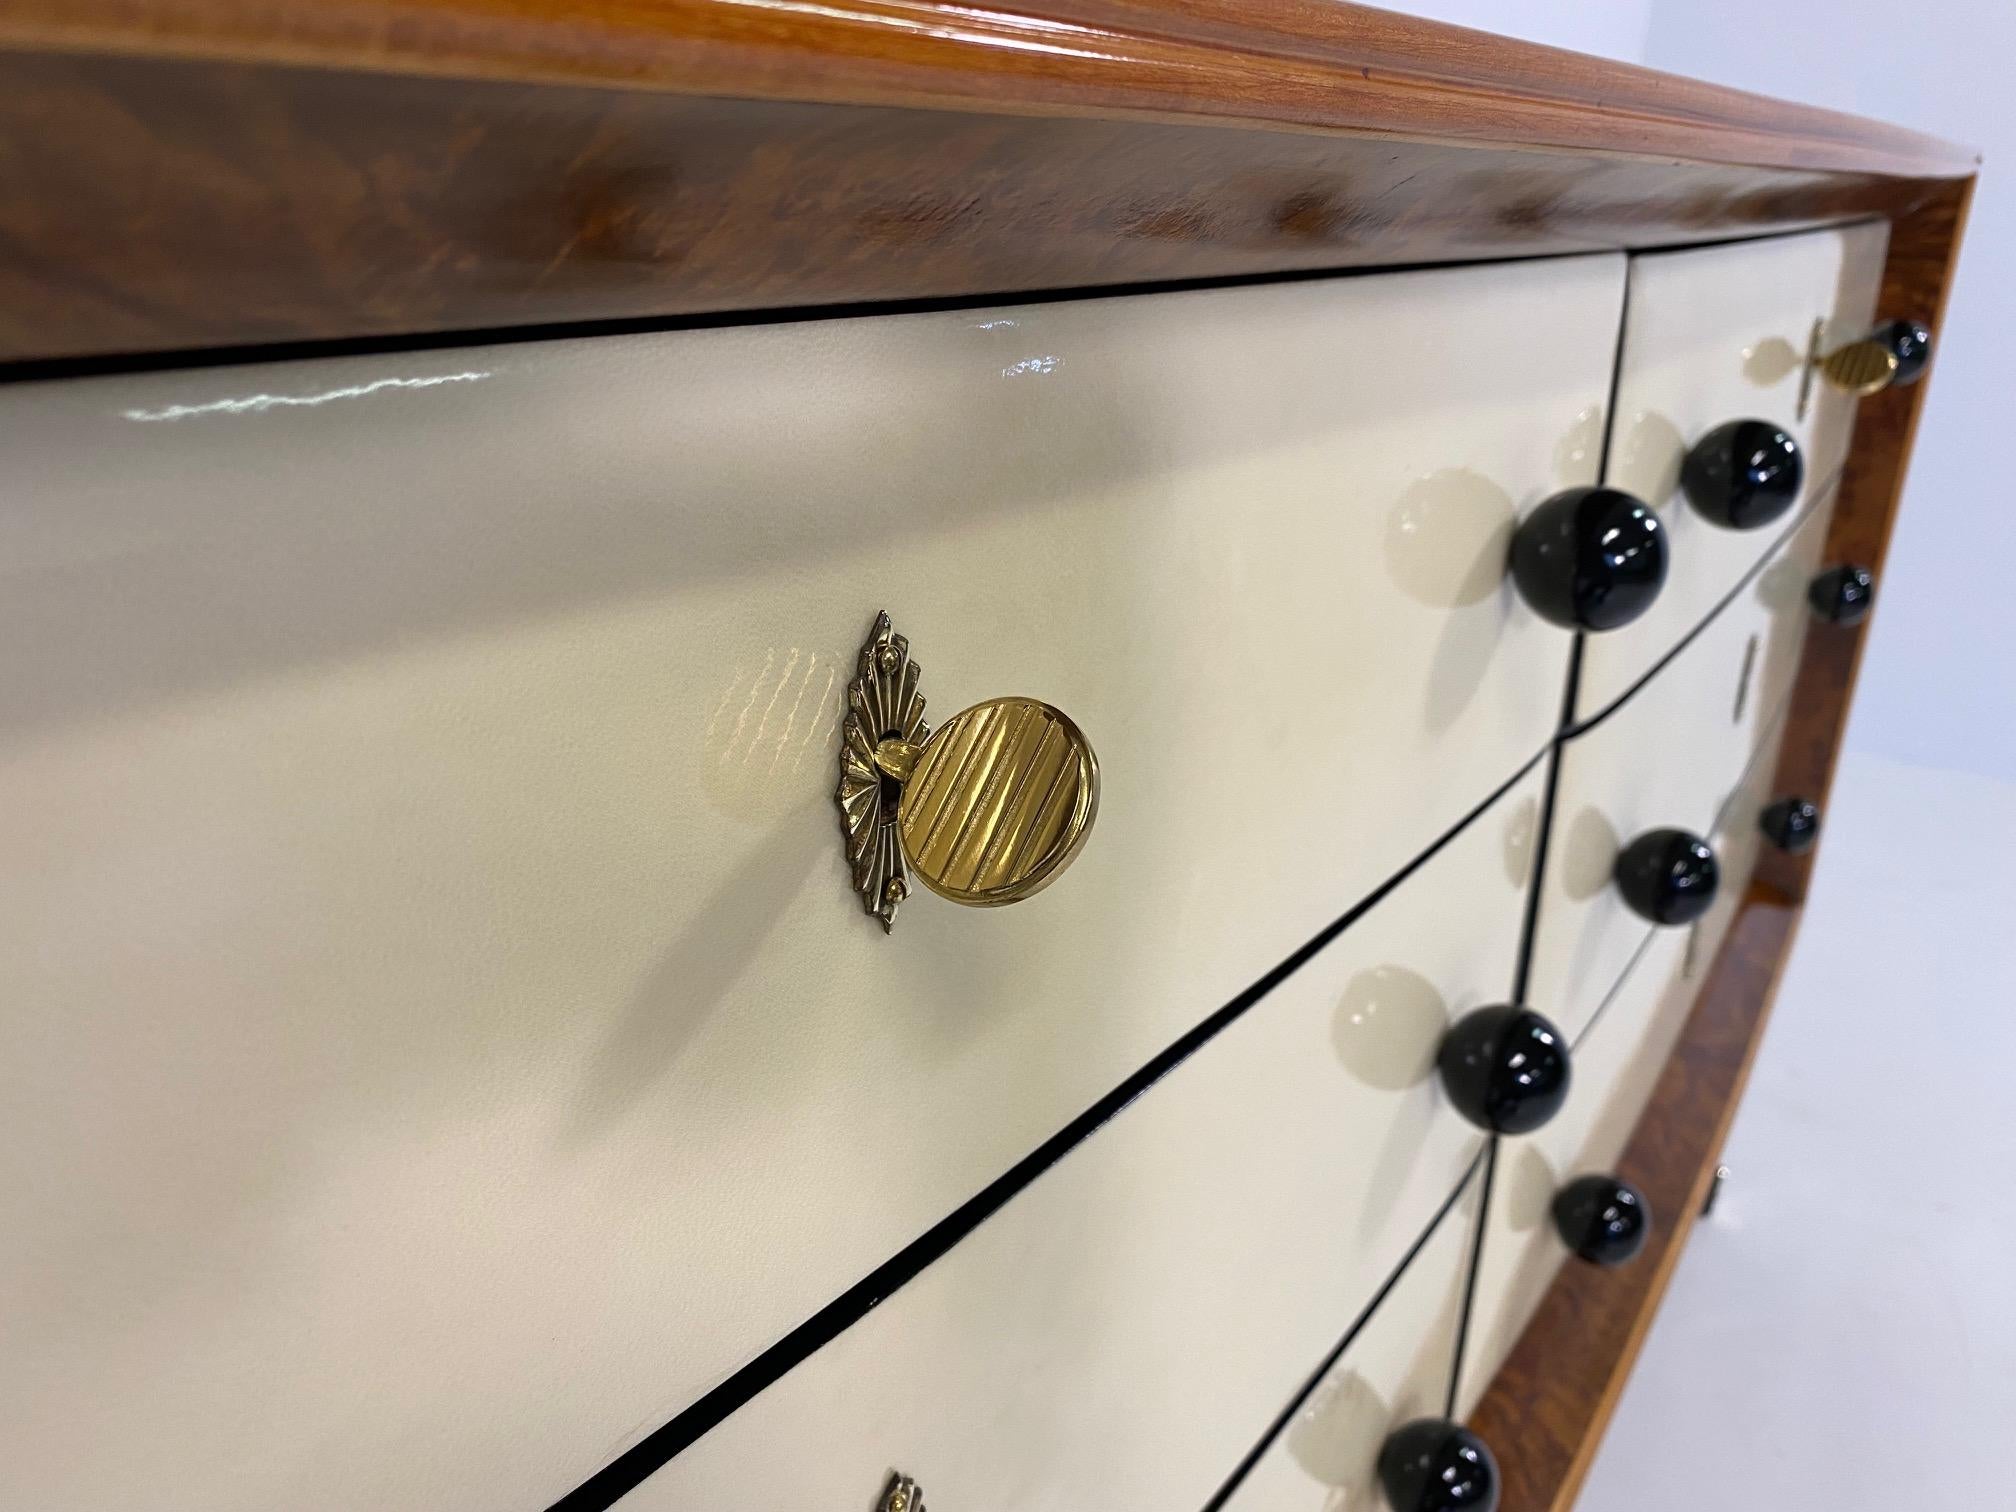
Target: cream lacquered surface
{"x": 1668, "y": 757}
{"x": 1712, "y": 335}
{"x": 442, "y": 1042}
{"x": 1396, "y": 1369}
{"x": 1124, "y": 1331}
{"x": 1617, "y": 1062}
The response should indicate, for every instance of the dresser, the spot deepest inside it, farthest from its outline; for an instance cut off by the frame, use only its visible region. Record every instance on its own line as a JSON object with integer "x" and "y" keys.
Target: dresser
{"x": 881, "y": 755}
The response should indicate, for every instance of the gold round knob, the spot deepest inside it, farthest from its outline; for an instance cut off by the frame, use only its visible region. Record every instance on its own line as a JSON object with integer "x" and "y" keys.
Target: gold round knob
{"x": 1893, "y": 355}
{"x": 988, "y": 809}
{"x": 999, "y": 803}
{"x": 1861, "y": 367}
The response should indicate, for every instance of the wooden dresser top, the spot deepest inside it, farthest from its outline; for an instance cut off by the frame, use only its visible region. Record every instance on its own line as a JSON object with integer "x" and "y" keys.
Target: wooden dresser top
{"x": 237, "y": 173}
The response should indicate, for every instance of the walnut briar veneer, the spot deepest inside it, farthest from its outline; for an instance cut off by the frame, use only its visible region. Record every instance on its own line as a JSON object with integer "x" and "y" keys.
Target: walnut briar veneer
{"x": 224, "y": 172}
{"x": 456, "y": 448}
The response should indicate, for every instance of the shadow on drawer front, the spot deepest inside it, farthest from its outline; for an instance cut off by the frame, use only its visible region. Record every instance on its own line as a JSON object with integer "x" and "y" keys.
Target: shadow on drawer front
{"x": 419, "y": 772}
{"x": 1123, "y": 1331}
{"x": 1715, "y": 337}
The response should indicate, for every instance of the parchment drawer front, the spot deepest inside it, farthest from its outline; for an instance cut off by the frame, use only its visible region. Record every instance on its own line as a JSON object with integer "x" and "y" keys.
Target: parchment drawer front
{"x": 1394, "y": 1369}
{"x": 440, "y": 1024}
{"x": 1618, "y": 1060}
{"x": 1125, "y": 1330}
{"x": 1667, "y": 758}
{"x": 1711, "y": 336}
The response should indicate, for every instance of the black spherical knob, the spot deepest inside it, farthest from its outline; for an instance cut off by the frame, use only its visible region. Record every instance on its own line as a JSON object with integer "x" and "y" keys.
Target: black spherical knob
{"x": 1911, "y": 344}
{"x": 1667, "y": 876}
{"x": 1505, "y": 1068}
{"x": 1590, "y": 559}
{"x": 1434, "y": 1465}
{"x": 1791, "y": 824}
{"x": 1843, "y": 595}
{"x": 1743, "y": 474}
{"x": 1602, "y": 1219}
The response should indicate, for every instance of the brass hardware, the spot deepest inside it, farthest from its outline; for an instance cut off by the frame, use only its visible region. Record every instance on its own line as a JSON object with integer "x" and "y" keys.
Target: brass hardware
{"x": 988, "y": 809}
{"x": 897, "y": 758}
{"x": 903, "y": 1495}
{"x": 1861, "y": 368}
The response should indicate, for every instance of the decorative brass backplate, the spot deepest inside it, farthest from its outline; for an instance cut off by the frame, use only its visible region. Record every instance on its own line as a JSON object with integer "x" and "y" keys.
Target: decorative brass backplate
{"x": 882, "y": 703}
{"x": 987, "y": 810}
{"x": 903, "y": 1495}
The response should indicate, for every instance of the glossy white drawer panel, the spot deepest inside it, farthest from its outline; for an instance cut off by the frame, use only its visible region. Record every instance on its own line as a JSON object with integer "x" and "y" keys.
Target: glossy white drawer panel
{"x": 1666, "y": 758}
{"x": 439, "y": 1014}
{"x": 1712, "y": 335}
{"x": 1618, "y": 1060}
{"x": 1394, "y": 1369}
{"x": 1126, "y": 1329}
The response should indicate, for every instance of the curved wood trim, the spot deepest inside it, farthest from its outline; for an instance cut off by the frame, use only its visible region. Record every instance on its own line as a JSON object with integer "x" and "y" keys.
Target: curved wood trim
{"x": 1282, "y": 63}
{"x": 1917, "y": 280}
{"x": 1554, "y": 1394}
{"x": 245, "y": 173}
{"x": 162, "y": 206}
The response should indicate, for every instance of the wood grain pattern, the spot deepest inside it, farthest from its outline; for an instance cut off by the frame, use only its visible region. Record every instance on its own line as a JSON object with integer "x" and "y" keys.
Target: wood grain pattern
{"x": 1321, "y": 63}
{"x": 1917, "y": 278}
{"x": 1555, "y": 1392}
{"x": 176, "y": 176}
{"x": 240, "y": 173}
{"x": 1551, "y": 1399}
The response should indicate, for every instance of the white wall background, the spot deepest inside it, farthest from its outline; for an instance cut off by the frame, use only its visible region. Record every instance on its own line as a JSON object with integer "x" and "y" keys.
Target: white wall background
{"x": 1938, "y": 688}
{"x": 1839, "y": 1336}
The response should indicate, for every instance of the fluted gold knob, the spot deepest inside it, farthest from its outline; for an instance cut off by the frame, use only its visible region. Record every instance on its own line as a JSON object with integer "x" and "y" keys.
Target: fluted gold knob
{"x": 1861, "y": 367}
{"x": 988, "y": 809}
{"x": 1892, "y": 355}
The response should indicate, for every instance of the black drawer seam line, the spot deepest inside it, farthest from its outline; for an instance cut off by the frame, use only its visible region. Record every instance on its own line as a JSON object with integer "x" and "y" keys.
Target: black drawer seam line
{"x": 634, "y": 1465}
{"x": 1821, "y": 496}
{"x": 1773, "y": 727}
{"x": 403, "y": 343}
{"x": 1521, "y": 978}
{"x": 415, "y": 342}
{"x": 1329, "y": 1361}
{"x": 1571, "y": 690}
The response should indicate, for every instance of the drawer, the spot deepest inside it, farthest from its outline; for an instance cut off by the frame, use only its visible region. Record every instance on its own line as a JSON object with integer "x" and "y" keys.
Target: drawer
{"x": 1713, "y": 335}
{"x": 1618, "y": 1060}
{"x": 1393, "y": 1369}
{"x": 1666, "y": 758}
{"x": 444, "y": 1022}
{"x": 1123, "y": 1331}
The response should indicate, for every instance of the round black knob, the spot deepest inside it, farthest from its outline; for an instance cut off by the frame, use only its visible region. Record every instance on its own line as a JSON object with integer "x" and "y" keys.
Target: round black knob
{"x": 1602, "y": 1219}
{"x": 1843, "y": 595}
{"x": 1589, "y": 559}
{"x": 1434, "y": 1465}
{"x": 1505, "y": 1068}
{"x": 1911, "y": 344}
{"x": 1667, "y": 876}
{"x": 1791, "y": 824}
{"x": 1743, "y": 474}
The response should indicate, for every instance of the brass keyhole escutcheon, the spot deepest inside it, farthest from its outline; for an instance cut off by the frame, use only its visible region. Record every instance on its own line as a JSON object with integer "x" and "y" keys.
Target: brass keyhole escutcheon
{"x": 987, "y": 810}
